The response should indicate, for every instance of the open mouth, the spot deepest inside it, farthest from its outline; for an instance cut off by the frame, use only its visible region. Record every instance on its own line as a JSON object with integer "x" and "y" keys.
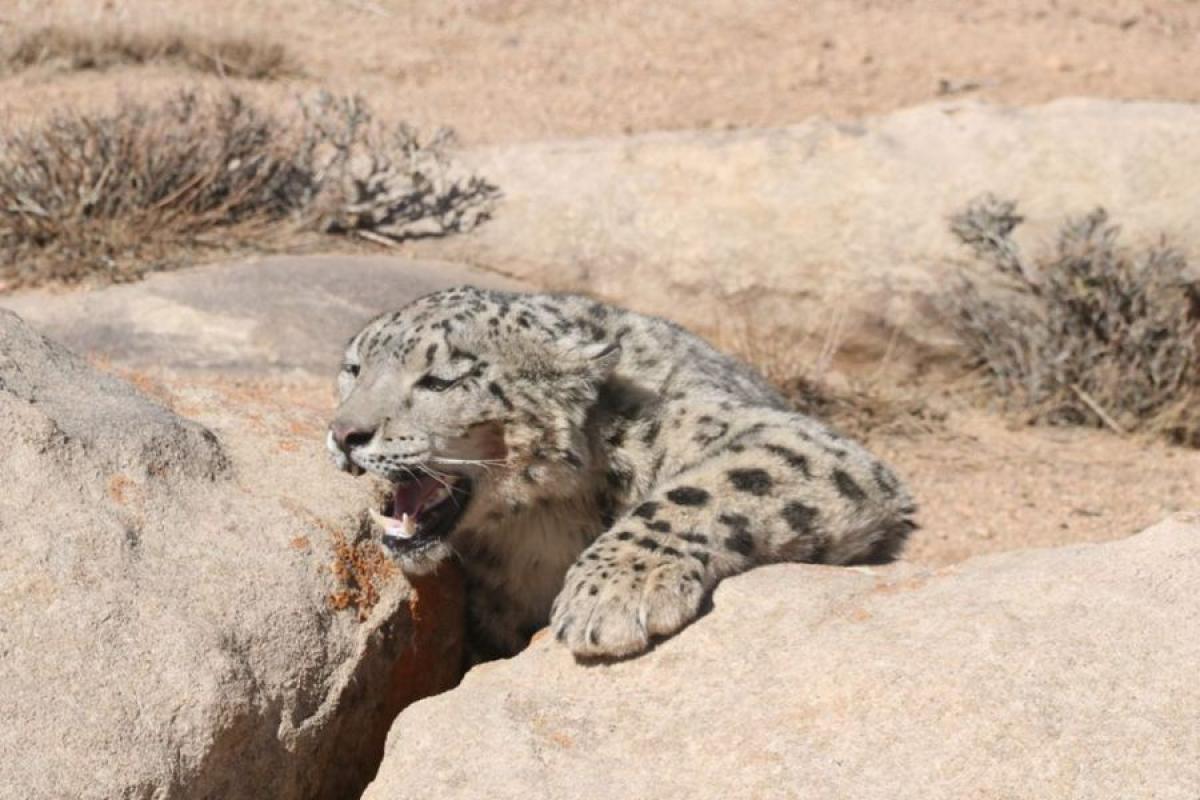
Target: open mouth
{"x": 422, "y": 511}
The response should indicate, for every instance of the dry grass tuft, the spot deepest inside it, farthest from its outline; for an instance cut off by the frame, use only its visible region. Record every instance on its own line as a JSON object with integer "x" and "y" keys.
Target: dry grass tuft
{"x": 361, "y": 568}
{"x": 861, "y": 407}
{"x": 864, "y": 410}
{"x": 1092, "y": 333}
{"x": 111, "y": 196}
{"x": 72, "y": 49}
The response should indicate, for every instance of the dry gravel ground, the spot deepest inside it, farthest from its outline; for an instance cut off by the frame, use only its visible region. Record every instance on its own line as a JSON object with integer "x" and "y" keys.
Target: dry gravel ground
{"x": 501, "y": 72}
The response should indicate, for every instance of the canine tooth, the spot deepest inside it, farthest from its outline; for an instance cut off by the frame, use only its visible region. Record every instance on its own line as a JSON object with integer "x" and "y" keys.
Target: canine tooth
{"x": 406, "y": 529}
{"x": 380, "y": 520}
{"x": 403, "y": 528}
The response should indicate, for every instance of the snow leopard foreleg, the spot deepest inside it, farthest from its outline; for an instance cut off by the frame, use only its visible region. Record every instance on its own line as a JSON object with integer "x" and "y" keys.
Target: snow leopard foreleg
{"x": 780, "y": 497}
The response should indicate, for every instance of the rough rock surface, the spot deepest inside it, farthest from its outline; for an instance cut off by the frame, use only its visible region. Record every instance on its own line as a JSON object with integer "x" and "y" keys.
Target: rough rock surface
{"x": 165, "y": 624}
{"x": 1054, "y": 673}
{"x": 823, "y": 226}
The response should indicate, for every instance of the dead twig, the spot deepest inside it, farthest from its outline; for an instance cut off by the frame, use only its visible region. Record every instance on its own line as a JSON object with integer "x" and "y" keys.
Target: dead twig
{"x": 1098, "y": 411}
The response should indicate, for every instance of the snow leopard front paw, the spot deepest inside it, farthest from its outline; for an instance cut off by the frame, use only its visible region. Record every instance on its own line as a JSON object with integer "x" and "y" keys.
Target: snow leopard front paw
{"x": 613, "y": 607}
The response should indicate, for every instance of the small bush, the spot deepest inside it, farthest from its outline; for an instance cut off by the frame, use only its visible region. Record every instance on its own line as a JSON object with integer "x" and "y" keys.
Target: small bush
{"x": 1092, "y": 333}
{"x": 74, "y": 49}
{"x": 111, "y": 196}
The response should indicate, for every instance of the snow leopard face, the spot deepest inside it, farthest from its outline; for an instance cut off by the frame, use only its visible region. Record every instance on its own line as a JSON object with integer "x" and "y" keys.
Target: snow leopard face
{"x": 465, "y": 402}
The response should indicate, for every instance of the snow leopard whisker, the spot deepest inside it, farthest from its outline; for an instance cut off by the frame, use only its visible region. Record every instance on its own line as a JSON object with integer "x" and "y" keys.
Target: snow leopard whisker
{"x": 485, "y": 463}
{"x": 441, "y": 478}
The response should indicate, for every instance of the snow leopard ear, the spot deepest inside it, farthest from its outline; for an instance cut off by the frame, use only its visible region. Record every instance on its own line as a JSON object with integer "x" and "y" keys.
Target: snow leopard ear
{"x": 598, "y": 358}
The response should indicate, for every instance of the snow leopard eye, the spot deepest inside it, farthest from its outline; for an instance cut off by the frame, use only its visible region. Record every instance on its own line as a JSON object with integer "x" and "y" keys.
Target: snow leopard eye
{"x": 351, "y": 370}
{"x": 433, "y": 383}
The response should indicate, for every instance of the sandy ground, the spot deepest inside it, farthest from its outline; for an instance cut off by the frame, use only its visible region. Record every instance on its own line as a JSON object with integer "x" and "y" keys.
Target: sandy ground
{"x": 986, "y": 484}
{"x": 510, "y": 70}
{"x": 501, "y": 72}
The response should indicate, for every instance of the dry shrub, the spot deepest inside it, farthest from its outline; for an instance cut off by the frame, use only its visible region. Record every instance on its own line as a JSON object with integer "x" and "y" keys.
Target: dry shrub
{"x": 111, "y": 196}
{"x": 77, "y": 49}
{"x": 1091, "y": 333}
{"x": 361, "y": 568}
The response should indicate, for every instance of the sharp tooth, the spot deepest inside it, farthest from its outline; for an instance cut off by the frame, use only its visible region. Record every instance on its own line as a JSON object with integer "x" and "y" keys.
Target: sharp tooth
{"x": 403, "y": 528}
{"x": 406, "y": 528}
{"x": 380, "y": 520}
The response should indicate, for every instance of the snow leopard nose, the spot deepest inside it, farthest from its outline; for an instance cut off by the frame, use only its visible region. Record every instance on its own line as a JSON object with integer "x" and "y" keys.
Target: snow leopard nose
{"x": 348, "y": 435}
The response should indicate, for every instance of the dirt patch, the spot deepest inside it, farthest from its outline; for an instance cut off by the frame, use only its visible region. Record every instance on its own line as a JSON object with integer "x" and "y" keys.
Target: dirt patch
{"x": 501, "y": 71}
{"x": 985, "y": 484}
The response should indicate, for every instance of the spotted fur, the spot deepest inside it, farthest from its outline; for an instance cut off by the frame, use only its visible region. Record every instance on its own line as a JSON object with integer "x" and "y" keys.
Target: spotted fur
{"x": 621, "y": 466}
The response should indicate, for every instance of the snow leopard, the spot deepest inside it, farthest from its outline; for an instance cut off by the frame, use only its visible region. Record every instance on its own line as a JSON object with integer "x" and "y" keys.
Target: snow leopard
{"x": 591, "y": 468}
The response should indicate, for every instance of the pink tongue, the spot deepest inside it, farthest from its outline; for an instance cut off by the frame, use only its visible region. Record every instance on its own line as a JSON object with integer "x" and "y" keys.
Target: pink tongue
{"x": 410, "y": 496}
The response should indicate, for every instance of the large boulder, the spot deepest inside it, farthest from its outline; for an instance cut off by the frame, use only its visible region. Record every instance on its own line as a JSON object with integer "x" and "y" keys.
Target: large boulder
{"x": 169, "y": 623}
{"x": 1055, "y": 673}
{"x": 822, "y": 226}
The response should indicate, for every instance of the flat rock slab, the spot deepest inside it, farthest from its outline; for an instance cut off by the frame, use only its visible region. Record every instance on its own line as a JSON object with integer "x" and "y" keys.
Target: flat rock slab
{"x": 823, "y": 226}
{"x": 1055, "y": 673}
{"x": 274, "y": 315}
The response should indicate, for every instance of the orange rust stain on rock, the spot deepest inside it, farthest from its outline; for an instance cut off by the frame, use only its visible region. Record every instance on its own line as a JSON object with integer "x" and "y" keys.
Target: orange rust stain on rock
{"x": 119, "y": 488}
{"x": 361, "y": 568}
{"x": 562, "y": 740}
{"x": 906, "y": 585}
{"x": 148, "y": 385}
{"x": 859, "y": 615}
{"x": 305, "y": 427}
